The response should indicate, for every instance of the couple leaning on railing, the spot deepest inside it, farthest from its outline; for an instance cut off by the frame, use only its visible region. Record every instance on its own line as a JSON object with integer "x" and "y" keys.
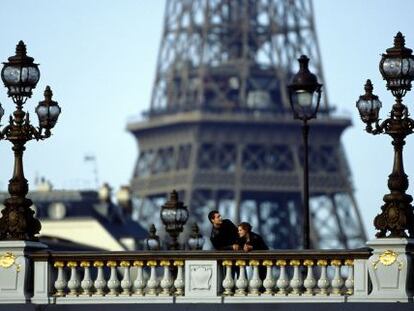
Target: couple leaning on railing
{"x": 226, "y": 236}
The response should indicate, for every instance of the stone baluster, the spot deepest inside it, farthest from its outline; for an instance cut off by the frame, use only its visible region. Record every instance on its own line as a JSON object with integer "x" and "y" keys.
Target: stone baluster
{"x": 228, "y": 282}
{"x": 349, "y": 282}
{"x": 167, "y": 281}
{"x": 282, "y": 282}
{"x": 87, "y": 282}
{"x": 269, "y": 282}
{"x": 337, "y": 281}
{"x": 139, "y": 283}
{"x": 74, "y": 282}
{"x": 179, "y": 281}
{"x": 60, "y": 283}
{"x": 323, "y": 282}
{"x": 113, "y": 282}
{"x": 241, "y": 282}
{"x": 152, "y": 284}
{"x": 255, "y": 283}
{"x": 100, "y": 283}
{"x": 126, "y": 280}
{"x": 296, "y": 281}
{"x": 310, "y": 281}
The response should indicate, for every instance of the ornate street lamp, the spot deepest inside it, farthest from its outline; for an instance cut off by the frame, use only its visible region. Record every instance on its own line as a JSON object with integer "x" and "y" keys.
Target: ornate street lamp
{"x": 397, "y": 68}
{"x": 152, "y": 243}
{"x": 20, "y": 75}
{"x": 305, "y": 96}
{"x": 174, "y": 215}
{"x": 196, "y": 240}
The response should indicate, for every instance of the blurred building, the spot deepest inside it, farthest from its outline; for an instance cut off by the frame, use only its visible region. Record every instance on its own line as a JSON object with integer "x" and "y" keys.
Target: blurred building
{"x": 84, "y": 220}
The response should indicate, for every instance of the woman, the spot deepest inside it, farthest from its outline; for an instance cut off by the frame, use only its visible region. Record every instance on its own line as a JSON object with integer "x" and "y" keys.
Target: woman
{"x": 248, "y": 240}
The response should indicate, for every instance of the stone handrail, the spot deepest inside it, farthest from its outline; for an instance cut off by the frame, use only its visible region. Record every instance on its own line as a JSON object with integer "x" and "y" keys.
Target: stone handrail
{"x": 198, "y": 276}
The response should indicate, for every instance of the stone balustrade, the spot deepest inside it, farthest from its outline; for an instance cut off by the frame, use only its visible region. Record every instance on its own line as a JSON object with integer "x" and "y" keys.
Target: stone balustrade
{"x": 202, "y": 276}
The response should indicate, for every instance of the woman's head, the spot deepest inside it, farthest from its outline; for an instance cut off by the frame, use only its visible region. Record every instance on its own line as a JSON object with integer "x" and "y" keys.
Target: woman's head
{"x": 244, "y": 228}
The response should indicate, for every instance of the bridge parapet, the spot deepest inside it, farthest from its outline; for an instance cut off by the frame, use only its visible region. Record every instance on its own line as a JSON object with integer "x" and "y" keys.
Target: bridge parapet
{"x": 32, "y": 275}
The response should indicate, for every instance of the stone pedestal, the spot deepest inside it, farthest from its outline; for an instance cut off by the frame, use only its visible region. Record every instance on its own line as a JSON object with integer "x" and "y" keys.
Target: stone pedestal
{"x": 15, "y": 283}
{"x": 390, "y": 270}
{"x": 201, "y": 285}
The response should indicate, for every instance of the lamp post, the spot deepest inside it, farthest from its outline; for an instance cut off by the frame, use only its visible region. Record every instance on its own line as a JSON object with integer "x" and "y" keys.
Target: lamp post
{"x": 196, "y": 240}
{"x": 174, "y": 215}
{"x": 152, "y": 243}
{"x": 20, "y": 75}
{"x": 305, "y": 96}
{"x": 397, "y": 68}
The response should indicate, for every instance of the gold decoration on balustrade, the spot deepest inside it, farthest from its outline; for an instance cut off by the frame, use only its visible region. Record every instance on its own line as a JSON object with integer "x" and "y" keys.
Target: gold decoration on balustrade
{"x": 178, "y": 263}
{"x": 227, "y": 263}
{"x": 71, "y": 264}
{"x": 165, "y": 263}
{"x": 349, "y": 262}
{"x": 335, "y": 262}
{"x": 85, "y": 264}
{"x": 322, "y": 262}
{"x": 138, "y": 263}
{"x": 151, "y": 263}
{"x": 308, "y": 262}
{"x": 254, "y": 263}
{"x": 124, "y": 264}
{"x": 240, "y": 263}
{"x": 98, "y": 264}
{"x": 294, "y": 262}
{"x": 387, "y": 258}
{"x": 267, "y": 262}
{"x": 58, "y": 264}
{"x": 111, "y": 263}
{"x": 9, "y": 259}
{"x": 281, "y": 262}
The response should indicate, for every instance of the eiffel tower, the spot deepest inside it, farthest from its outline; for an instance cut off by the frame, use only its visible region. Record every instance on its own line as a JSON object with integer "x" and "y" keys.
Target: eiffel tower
{"x": 220, "y": 131}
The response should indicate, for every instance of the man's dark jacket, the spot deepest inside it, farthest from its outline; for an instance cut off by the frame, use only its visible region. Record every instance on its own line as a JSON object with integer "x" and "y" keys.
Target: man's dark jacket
{"x": 224, "y": 237}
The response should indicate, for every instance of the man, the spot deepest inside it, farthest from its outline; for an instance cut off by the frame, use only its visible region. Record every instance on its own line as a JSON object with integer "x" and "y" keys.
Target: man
{"x": 223, "y": 233}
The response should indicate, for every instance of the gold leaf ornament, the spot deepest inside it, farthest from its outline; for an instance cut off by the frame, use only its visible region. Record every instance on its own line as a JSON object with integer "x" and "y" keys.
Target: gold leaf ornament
{"x": 7, "y": 260}
{"x": 388, "y": 257}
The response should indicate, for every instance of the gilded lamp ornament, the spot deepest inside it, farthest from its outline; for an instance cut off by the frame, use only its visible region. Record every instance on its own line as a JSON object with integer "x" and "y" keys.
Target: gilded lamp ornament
{"x": 20, "y": 76}
{"x": 396, "y": 219}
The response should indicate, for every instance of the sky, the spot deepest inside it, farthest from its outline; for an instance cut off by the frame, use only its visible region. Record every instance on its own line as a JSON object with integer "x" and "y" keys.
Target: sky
{"x": 99, "y": 58}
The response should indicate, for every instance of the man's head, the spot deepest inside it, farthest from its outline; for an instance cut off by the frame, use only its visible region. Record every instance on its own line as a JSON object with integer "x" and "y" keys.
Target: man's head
{"x": 215, "y": 218}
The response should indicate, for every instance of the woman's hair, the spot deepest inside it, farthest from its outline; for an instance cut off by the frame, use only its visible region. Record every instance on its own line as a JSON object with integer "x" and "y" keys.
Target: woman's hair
{"x": 246, "y": 226}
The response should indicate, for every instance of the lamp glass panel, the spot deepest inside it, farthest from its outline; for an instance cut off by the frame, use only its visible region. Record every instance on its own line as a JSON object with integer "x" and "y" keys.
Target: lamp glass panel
{"x": 11, "y": 74}
{"x": 168, "y": 215}
{"x": 392, "y": 67}
{"x": 34, "y": 74}
{"x": 182, "y": 215}
{"x": 304, "y": 98}
{"x": 42, "y": 112}
{"x": 54, "y": 111}
{"x": 364, "y": 106}
{"x": 153, "y": 244}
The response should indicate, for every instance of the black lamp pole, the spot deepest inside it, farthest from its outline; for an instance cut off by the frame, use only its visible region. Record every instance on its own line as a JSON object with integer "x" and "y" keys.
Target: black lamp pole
{"x": 396, "y": 219}
{"x": 306, "y": 226}
{"x": 305, "y": 96}
{"x": 20, "y": 75}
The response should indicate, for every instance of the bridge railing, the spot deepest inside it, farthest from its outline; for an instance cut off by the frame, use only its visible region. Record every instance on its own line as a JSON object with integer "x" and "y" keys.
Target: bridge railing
{"x": 199, "y": 276}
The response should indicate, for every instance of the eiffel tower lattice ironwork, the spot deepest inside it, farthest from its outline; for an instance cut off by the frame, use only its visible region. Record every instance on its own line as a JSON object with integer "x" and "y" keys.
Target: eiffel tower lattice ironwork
{"x": 220, "y": 131}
